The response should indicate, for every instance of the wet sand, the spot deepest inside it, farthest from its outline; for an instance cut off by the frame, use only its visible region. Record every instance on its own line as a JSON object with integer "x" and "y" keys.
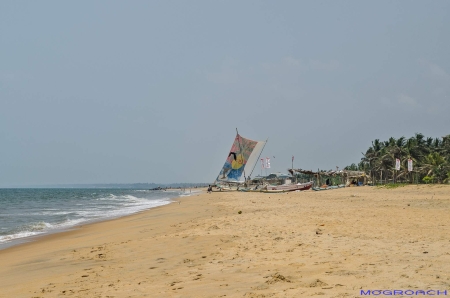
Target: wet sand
{"x": 328, "y": 243}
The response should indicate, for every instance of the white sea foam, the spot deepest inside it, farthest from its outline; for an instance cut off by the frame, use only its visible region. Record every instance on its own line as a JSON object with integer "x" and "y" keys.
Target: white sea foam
{"x": 70, "y": 223}
{"x": 67, "y": 211}
{"x": 111, "y": 197}
{"x": 40, "y": 226}
{"x": 132, "y": 198}
{"x": 190, "y": 193}
{"x": 8, "y": 238}
{"x": 54, "y": 213}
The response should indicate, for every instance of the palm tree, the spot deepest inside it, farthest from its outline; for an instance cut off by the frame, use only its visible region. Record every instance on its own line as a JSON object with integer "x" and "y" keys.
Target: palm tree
{"x": 371, "y": 158}
{"x": 436, "y": 166}
{"x": 394, "y": 148}
{"x": 431, "y": 156}
{"x": 445, "y": 146}
{"x": 420, "y": 141}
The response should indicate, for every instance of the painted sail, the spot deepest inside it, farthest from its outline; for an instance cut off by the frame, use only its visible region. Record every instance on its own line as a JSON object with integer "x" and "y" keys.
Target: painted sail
{"x": 241, "y": 160}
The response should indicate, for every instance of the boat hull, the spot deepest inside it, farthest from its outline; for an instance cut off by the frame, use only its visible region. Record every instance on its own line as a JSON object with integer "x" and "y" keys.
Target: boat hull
{"x": 290, "y": 187}
{"x": 328, "y": 188}
{"x": 282, "y": 188}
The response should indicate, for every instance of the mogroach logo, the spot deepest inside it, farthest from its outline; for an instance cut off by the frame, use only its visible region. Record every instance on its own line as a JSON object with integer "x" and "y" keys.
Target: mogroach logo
{"x": 403, "y": 292}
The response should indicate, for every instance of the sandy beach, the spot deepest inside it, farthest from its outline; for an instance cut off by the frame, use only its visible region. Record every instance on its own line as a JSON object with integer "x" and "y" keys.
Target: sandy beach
{"x": 331, "y": 243}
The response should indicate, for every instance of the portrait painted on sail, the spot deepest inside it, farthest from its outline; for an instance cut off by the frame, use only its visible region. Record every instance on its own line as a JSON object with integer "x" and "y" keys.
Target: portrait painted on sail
{"x": 234, "y": 166}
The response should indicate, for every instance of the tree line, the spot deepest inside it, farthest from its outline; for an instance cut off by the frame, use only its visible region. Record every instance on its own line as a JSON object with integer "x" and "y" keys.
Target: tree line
{"x": 430, "y": 158}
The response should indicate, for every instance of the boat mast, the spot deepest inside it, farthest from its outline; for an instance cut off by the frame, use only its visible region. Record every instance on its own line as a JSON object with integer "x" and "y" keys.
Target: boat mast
{"x": 240, "y": 150}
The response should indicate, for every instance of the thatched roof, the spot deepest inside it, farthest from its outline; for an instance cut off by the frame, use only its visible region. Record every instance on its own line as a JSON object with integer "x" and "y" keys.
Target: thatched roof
{"x": 345, "y": 173}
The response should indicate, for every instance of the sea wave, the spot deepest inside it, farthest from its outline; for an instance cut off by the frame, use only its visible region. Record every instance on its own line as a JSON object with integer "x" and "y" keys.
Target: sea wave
{"x": 19, "y": 235}
{"x": 38, "y": 228}
{"x": 191, "y": 193}
{"x": 30, "y": 216}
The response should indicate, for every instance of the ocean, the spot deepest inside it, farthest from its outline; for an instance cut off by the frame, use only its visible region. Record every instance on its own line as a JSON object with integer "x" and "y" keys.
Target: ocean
{"x": 26, "y": 213}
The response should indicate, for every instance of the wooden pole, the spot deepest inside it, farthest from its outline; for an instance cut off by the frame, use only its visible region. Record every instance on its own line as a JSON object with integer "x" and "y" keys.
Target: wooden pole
{"x": 292, "y": 168}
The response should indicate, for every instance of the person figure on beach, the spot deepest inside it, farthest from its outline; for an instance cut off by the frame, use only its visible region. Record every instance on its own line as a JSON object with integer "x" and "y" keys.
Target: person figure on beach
{"x": 209, "y": 188}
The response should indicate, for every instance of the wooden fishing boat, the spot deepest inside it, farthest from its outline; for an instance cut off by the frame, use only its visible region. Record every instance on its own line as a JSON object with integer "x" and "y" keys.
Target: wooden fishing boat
{"x": 328, "y": 187}
{"x": 280, "y": 188}
{"x": 289, "y": 187}
{"x": 240, "y": 163}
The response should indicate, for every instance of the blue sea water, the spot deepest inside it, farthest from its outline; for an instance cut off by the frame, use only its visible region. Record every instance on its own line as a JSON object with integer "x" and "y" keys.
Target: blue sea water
{"x": 29, "y": 212}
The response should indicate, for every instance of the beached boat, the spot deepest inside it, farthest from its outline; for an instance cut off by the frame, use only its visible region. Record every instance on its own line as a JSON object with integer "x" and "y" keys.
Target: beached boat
{"x": 220, "y": 187}
{"x": 240, "y": 163}
{"x": 239, "y": 166}
{"x": 328, "y": 187}
{"x": 289, "y": 187}
{"x": 280, "y": 188}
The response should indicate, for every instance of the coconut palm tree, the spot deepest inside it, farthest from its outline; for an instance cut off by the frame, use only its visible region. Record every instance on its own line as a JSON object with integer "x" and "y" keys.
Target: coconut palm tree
{"x": 436, "y": 166}
{"x": 371, "y": 158}
{"x": 430, "y": 156}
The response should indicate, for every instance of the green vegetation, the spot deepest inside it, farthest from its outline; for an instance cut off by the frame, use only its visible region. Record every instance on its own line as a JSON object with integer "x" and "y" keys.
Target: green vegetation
{"x": 447, "y": 180}
{"x": 427, "y": 179}
{"x": 431, "y": 160}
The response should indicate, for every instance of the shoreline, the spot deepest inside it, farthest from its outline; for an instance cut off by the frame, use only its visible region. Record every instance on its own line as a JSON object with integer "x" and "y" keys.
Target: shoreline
{"x": 331, "y": 243}
{"x": 30, "y": 239}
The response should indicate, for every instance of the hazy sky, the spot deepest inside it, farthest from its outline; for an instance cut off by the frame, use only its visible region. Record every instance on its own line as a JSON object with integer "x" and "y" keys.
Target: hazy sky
{"x": 152, "y": 91}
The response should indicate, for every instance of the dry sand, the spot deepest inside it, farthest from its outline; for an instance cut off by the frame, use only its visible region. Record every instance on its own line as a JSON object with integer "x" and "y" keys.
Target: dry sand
{"x": 328, "y": 243}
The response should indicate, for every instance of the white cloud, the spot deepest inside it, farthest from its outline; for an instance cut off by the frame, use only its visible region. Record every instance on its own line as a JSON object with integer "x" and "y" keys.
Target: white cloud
{"x": 290, "y": 64}
{"x": 292, "y": 61}
{"x": 439, "y": 72}
{"x": 435, "y": 71}
{"x": 226, "y": 75}
{"x": 434, "y": 109}
{"x": 7, "y": 77}
{"x": 385, "y": 101}
{"x": 287, "y": 64}
{"x": 324, "y": 65}
{"x": 408, "y": 100}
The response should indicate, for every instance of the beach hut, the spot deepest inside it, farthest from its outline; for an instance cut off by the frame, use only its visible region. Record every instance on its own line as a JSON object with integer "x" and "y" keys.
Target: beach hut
{"x": 356, "y": 178}
{"x": 279, "y": 178}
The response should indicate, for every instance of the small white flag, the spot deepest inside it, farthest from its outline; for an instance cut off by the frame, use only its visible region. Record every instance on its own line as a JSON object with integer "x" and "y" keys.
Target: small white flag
{"x": 267, "y": 163}
{"x": 397, "y": 164}
{"x": 410, "y": 165}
